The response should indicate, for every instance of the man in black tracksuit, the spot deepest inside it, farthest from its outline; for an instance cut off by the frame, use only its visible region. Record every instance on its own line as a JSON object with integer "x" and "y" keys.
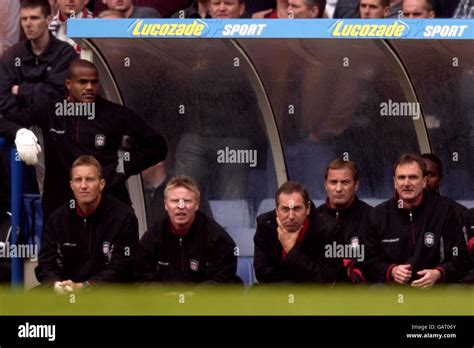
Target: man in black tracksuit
{"x": 292, "y": 241}
{"x": 95, "y": 131}
{"x": 90, "y": 240}
{"x": 186, "y": 246}
{"x": 416, "y": 237}
{"x": 341, "y": 183}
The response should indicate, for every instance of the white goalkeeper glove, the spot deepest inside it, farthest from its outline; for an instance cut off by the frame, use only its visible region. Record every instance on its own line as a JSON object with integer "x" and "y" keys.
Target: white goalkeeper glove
{"x": 27, "y": 146}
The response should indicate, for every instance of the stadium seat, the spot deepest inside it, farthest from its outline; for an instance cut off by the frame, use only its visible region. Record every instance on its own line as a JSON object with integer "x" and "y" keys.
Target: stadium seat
{"x": 245, "y": 270}
{"x": 231, "y": 213}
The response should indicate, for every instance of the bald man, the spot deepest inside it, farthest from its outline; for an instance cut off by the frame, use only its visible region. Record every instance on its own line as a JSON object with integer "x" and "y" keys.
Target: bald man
{"x": 84, "y": 123}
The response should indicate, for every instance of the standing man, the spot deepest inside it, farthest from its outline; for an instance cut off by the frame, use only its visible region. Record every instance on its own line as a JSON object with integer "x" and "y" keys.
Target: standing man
{"x": 341, "y": 183}
{"x": 374, "y": 8}
{"x": 89, "y": 240}
{"x": 186, "y": 246}
{"x": 414, "y": 238}
{"x": 34, "y": 69}
{"x": 84, "y": 123}
{"x": 291, "y": 241}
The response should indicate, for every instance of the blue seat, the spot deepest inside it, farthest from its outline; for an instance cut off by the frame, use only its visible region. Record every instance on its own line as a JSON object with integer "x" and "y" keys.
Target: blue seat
{"x": 245, "y": 270}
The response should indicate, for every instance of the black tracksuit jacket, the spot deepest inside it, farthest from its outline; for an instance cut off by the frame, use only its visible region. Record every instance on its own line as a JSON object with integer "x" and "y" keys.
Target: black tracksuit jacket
{"x": 38, "y": 78}
{"x": 68, "y": 137}
{"x": 98, "y": 248}
{"x": 427, "y": 236}
{"x": 206, "y": 254}
{"x": 304, "y": 263}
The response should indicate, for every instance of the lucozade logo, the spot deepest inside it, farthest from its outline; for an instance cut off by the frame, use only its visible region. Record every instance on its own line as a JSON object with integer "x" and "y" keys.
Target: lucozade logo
{"x": 396, "y": 30}
{"x": 195, "y": 29}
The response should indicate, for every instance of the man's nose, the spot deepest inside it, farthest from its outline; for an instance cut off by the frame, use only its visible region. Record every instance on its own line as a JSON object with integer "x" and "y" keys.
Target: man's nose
{"x": 291, "y": 214}
{"x": 338, "y": 186}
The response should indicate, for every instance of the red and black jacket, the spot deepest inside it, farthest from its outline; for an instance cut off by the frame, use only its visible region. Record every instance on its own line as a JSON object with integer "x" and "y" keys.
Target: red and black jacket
{"x": 306, "y": 262}
{"x": 352, "y": 223}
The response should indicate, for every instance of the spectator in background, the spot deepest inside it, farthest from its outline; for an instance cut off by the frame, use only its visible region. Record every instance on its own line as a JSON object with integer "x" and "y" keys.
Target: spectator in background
{"x": 374, "y": 8}
{"x": 306, "y": 8}
{"x": 92, "y": 240}
{"x": 418, "y": 9}
{"x": 280, "y": 11}
{"x": 130, "y": 10}
{"x": 225, "y": 9}
{"x": 198, "y": 9}
{"x": 465, "y": 9}
{"x": 10, "y": 27}
{"x": 186, "y": 246}
{"x": 69, "y": 9}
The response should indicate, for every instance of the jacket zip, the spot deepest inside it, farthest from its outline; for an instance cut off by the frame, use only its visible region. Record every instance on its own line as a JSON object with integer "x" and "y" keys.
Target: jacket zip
{"x": 90, "y": 234}
{"x": 77, "y": 130}
{"x": 337, "y": 215}
{"x": 412, "y": 229}
{"x": 182, "y": 254}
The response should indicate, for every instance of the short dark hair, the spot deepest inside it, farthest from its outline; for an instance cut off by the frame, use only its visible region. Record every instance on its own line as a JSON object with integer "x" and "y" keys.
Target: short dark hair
{"x": 79, "y": 63}
{"x": 385, "y": 3}
{"x": 87, "y": 160}
{"x": 410, "y": 158}
{"x": 435, "y": 159}
{"x": 44, "y": 4}
{"x": 320, "y": 4}
{"x": 291, "y": 187}
{"x": 339, "y": 163}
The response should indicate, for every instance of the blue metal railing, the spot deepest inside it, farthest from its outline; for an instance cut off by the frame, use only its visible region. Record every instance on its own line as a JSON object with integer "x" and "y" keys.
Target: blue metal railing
{"x": 16, "y": 194}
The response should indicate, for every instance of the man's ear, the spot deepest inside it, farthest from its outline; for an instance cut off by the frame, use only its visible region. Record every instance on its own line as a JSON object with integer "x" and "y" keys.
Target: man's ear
{"x": 315, "y": 12}
{"x": 102, "y": 184}
{"x": 241, "y": 9}
{"x": 164, "y": 202}
{"x": 356, "y": 186}
{"x": 309, "y": 208}
{"x": 425, "y": 180}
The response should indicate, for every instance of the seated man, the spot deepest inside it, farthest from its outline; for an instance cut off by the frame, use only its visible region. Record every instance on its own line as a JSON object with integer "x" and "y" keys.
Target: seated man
{"x": 306, "y": 8}
{"x": 418, "y": 9}
{"x": 469, "y": 221}
{"x": 415, "y": 237}
{"x": 90, "y": 239}
{"x": 186, "y": 246}
{"x": 341, "y": 184}
{"x": 291, "y": 241}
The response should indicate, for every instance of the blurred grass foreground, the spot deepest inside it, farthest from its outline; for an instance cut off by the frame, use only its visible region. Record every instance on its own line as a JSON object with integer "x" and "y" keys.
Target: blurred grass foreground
{"x": 259, "y": 300}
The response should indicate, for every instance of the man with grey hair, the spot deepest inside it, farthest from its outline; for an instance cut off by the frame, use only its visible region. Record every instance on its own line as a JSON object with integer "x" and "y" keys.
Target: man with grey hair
{"x": 130, "y": 10}
{"x": 186, "y": 246}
